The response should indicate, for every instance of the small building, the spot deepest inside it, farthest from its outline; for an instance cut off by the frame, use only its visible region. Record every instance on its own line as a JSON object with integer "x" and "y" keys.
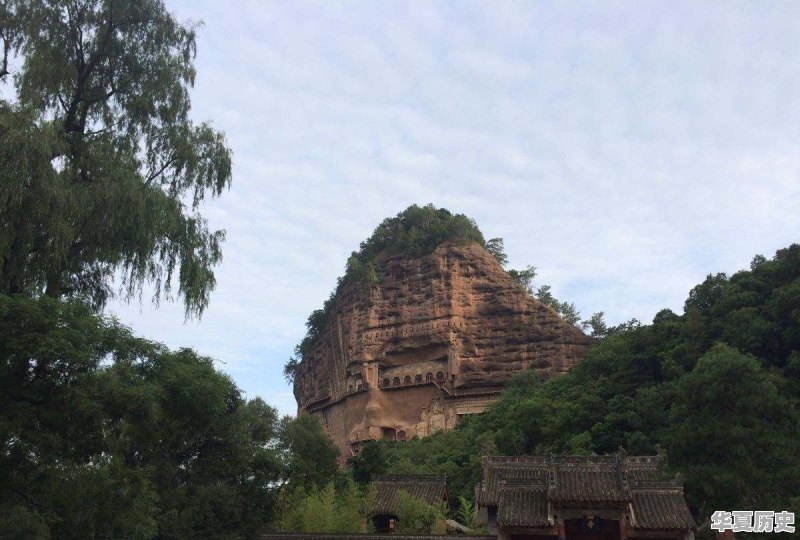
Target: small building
{"x": 431, "y": 489}
{"x": 615, "y": 497}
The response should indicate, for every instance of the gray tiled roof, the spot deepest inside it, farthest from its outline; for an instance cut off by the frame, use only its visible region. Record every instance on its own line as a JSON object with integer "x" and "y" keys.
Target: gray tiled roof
{"x": 498, "y": 467}
{"x": 660, "y": 505}
{"x": 590, "y": 478}
{"x": 522, "y": 505}
{"x": 430, "y": 488}
{"x": 522, "y": 487}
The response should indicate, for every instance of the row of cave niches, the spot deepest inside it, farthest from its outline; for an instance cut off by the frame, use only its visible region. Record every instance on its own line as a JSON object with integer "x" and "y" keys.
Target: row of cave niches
{"x": 387, "y": 433}
{"x": 396, "y": 382}
{"x": 407, "y": 381}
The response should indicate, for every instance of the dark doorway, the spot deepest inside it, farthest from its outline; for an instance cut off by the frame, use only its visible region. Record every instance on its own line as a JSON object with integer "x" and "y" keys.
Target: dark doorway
{"x": 591, "y": 527}
{"x": 384, "y": 524}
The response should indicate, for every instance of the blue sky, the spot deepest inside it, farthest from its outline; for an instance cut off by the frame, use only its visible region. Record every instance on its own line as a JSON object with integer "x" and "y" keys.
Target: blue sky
{"x": 626, "y": 149}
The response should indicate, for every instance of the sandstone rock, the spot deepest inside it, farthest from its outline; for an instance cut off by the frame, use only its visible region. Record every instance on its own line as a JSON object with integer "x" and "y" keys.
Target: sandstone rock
{"x": 434, "y": 339}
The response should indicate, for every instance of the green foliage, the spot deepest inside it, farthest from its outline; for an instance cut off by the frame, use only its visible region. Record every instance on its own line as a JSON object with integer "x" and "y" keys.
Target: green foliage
{"x": 18, "y": 522}
{"x": 309, "y": 455}
{"x": 497, "y": 249}
{"x": 715, "y": 387}
{"x": 597, "y": 324}
{"x": 415, "y": 516}
{"x": 416, "y": 232}
{"x": 455, "y": 453}
{"x": 466, "y": 511}
{"x": 727, "y": 410}
{"x": 328, "y": 509}
{"x": 566, "y": 310}
{"x": 371, "y": 461}
{"x": 524, "y": 277}
{"x": 107, "y": 435}
{"x": 290, "y": 368}
{"x": 468, "y": 516}
{"x": 103, "y": 171}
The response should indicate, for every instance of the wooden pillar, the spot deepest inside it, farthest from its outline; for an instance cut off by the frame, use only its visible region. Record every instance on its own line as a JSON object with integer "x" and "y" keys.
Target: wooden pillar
{"x": 562, "y": 535}
{"x": 623, "y": 527}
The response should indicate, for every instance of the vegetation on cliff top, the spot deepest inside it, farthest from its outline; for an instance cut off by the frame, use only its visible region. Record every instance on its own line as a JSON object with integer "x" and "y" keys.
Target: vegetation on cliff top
{"x": 415, "y": 232}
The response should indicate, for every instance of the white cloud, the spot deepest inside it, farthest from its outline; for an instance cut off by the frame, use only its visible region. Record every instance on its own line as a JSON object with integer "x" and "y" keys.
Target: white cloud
{"x": 626, "y": 149}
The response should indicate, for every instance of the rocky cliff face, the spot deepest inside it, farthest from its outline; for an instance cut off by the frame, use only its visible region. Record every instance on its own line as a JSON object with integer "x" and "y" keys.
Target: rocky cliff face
{"x": 434, "y": 339}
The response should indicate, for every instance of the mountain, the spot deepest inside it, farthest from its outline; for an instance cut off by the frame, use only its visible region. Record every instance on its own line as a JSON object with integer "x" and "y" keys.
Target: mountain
{"x": 423, "y": 340}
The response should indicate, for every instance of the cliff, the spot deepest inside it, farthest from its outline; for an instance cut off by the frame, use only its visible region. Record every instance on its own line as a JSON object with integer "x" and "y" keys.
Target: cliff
{"x": 431, "y": 339}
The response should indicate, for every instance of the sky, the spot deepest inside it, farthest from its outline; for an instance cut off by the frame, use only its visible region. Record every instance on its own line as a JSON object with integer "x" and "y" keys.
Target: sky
{"x": 625, "y": 149}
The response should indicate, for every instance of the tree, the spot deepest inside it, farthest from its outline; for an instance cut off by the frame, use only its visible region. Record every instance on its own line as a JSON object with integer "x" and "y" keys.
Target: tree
{"x": 415, "y": 516}
{"x": 455, "y": 453}
{"x": 332, "y": 509}
{"x": 569, "y": 312}
{"x": 309, "y": 455}
{"x": 106, "y": 435}
{"x": 524, "y": 277}
{"x": 725, "y": 412}
{"x": 566, "y": 310}
{"x": 372, "y": 460}
{"x": 290, "y": 368}
{"x": 103, "y": 170}
{"x": 597, "y": 324}
{"x": 467, "y": 513}
{"x": 496, "y": 248}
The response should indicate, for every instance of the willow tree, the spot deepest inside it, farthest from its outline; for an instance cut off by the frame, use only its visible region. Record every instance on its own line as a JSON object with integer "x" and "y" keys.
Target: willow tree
{"x": 102, "y": 171}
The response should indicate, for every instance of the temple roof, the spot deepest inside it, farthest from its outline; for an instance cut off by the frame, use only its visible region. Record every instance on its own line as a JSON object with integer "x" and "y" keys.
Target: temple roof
{"x": 524, "y": 487}
{"x": 511, "y": 467}
{"x": 522, "y": 505}
{"x": 430, "y": 488}
{"x": 588, "y": 478}
{"x": 660, "y": 505}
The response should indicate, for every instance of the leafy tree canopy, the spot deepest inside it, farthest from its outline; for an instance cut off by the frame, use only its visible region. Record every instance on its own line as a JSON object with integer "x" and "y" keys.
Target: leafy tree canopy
{"x": 103, "y": 170}
{"x": 310, "y": 456}
{"x": 107, "y": 435}
{"x": 332, "y": 508}
{"x": 415, "y": 516}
